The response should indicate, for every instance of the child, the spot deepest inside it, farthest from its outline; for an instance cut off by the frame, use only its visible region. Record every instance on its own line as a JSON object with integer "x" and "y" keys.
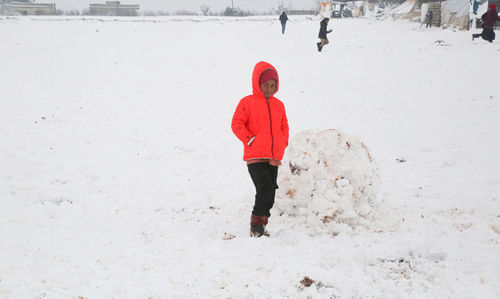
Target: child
{"x": 322, "y": 34}
{"x": 428, "y": 18}
{"x": 489, "y": 19}
{"x": 261, "y": 124}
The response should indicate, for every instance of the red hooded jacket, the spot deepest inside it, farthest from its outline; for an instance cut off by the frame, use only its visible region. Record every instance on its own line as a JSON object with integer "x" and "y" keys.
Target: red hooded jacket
{"x": 264, "y": 119}
{"x": 490, "y": 17}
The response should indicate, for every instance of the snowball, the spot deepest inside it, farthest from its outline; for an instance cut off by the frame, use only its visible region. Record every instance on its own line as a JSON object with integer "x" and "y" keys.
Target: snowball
{"x": 329, "y": 175}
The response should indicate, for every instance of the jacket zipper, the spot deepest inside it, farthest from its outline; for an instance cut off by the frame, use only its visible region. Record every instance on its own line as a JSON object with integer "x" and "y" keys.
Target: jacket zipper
{"x": 271, "y": 126}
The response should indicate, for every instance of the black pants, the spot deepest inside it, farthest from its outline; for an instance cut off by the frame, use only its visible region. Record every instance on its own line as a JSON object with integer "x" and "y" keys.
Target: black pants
{"x": 264, "y": 178}
{"x": 487, "y": 34}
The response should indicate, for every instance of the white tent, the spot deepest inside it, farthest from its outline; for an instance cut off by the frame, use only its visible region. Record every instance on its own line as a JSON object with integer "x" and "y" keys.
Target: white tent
{"x": 423, "y": 12}
{"x": 405, "y": 7}
{"x": 407, "y": 10}
{"x": 359, "y": 8}
{"x": 455, "y": 14}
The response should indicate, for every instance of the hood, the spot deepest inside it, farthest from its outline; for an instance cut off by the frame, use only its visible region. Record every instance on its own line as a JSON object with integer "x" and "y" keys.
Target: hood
{"x": 493, "y": 7}
{"x": 257, "y": 71}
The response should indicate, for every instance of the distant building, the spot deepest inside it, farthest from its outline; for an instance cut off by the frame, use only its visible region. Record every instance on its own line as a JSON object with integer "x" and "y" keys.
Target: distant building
{"x": 27, "y": 8}
{"x": 114, "y": 8}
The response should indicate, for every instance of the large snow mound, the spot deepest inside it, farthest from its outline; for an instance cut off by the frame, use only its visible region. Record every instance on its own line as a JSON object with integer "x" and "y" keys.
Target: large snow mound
{"x": 328, "y": 178}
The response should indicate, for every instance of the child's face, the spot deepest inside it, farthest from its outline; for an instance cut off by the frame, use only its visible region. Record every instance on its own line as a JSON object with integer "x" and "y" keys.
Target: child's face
{"x": 268, "y": 88}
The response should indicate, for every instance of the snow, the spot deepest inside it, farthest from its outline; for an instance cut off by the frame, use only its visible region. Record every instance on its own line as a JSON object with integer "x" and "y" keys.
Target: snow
{"x": 330, "y": 176}
{"x": 121, "y": 177}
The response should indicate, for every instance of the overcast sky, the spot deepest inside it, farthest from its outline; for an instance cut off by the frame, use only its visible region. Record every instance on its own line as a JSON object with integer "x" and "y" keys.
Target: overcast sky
{"x": 191, "y": 5}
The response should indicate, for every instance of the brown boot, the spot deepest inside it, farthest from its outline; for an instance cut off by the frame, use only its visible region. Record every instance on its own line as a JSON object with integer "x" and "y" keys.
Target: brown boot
{"x": 258, "y": 226}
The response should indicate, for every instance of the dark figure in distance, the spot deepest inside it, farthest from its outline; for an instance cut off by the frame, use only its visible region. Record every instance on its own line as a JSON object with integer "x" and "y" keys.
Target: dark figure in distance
{"x": 283, "y": 19}
{"x": 429, "y": 17}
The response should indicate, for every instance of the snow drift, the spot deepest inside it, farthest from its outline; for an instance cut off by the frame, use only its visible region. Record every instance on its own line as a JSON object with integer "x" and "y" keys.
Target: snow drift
{"x": 328, "y": 176}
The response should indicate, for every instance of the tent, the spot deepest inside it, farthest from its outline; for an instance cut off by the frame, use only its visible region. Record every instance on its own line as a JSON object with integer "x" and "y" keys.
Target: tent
{"x": 455, "y": 14}
{"x": 358, "y": 8}
{"x": 407, "y": 10}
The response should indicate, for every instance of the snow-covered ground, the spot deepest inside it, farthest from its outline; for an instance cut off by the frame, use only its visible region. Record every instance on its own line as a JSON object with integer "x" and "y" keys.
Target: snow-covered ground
{"x": 120, "y": 176}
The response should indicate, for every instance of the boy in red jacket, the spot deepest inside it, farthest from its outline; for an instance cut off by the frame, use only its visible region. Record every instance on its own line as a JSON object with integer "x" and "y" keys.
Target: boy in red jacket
{"x": 489, "y": 19}
{"x": 260, "y": 123}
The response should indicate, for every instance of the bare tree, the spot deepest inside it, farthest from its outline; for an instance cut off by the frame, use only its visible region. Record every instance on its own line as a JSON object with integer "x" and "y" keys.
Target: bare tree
{"x": 281, "y": 7}
{"x": 205, "y": 9}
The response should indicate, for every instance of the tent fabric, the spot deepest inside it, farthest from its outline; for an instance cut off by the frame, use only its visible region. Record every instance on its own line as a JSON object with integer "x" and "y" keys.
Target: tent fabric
{"x": 405, "y": 7}
{"x": 423, "y": 12}
{"x": 455, "y": 13}
{"x": 458, "y": 7}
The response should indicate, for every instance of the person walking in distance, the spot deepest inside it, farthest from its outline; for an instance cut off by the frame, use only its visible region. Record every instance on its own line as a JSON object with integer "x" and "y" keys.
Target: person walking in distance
{"x": 260, "y": 123}
{"x": 489, "y": 19}
{"x": 322, "y": 34}
{"x": 283, "y": 20}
